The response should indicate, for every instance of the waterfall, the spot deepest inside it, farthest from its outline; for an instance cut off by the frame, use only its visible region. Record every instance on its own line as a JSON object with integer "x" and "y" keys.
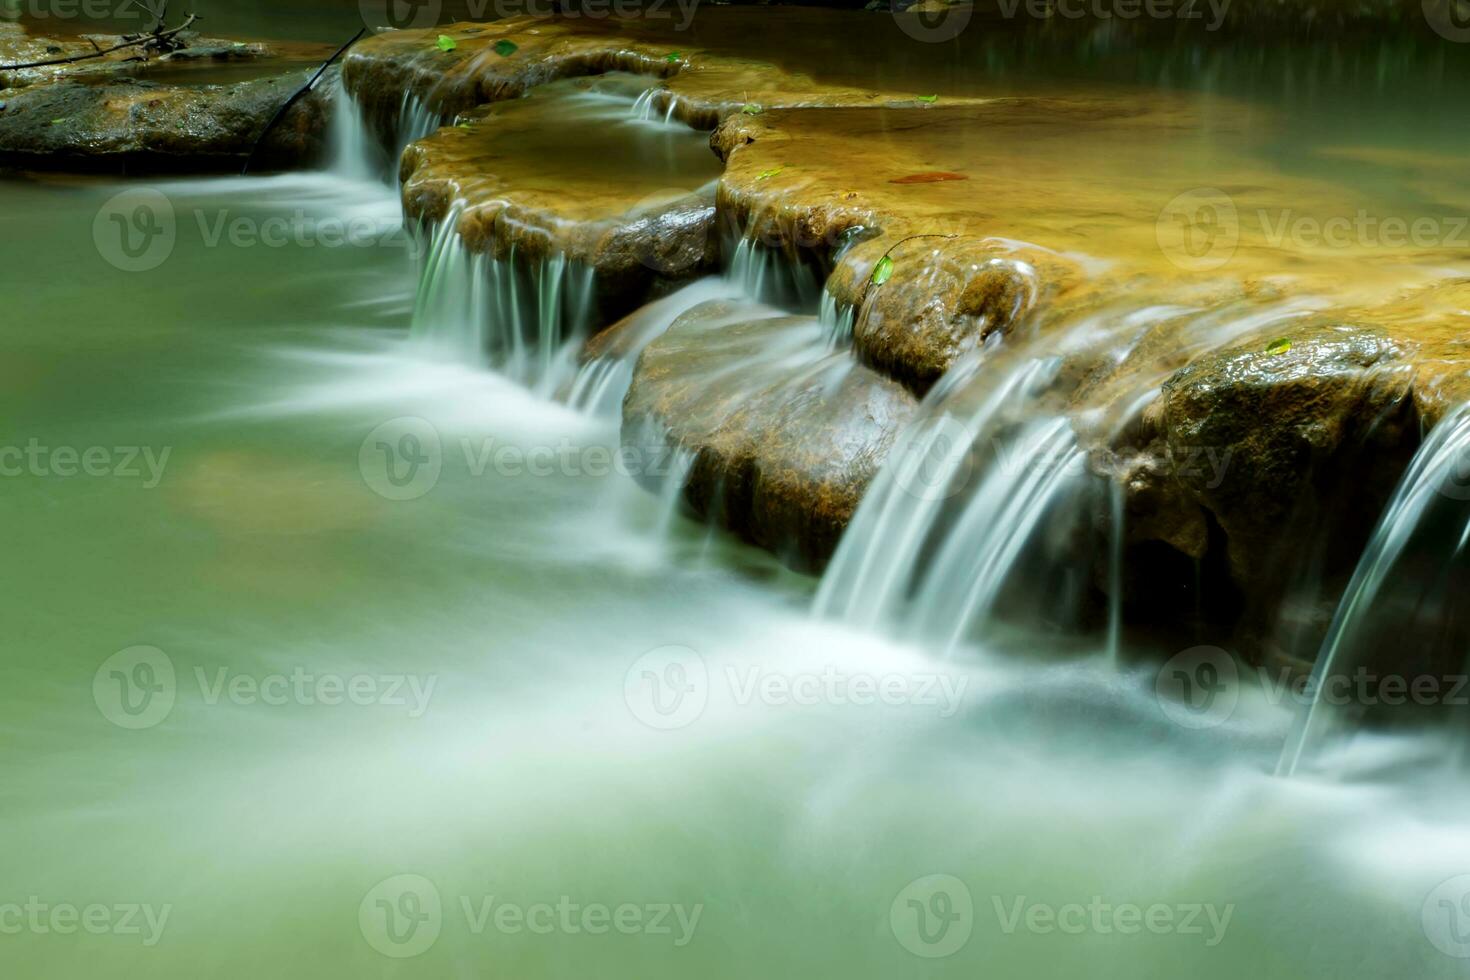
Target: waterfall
{"x": 837, "y": 320}
{"x": 525, "y": 318}
{"x": 415, "y": 121}
{"x": 755, "y": 274}
{"x": 767, "y": 275}
{"x": 602, "y": 381}
{"x": 355, "y": 153}
{"x": 939, "y": 531}
{"x": 1403, "y": 617}
{"x": 645, "y": 107}
{"x": 988, "y": 487}
{"x": 1037, "y": 471}
{"x": 358, "y": 152}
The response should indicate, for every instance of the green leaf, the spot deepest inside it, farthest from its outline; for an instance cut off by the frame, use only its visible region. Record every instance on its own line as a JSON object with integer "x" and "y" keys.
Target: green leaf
{"x": 463, "y": 125}
{"x": 768, "y": 174}
{"x": 1278, "y": 346}
{"x": 672, "y": 56}
{"x": 931, "y": 99}
{"x": 445, "y": 43}
{"x": 505, "y": 47}
{"x": 58, "y": 122}
{"x": 753, "y": 108}
{"x": 882, "y": 271}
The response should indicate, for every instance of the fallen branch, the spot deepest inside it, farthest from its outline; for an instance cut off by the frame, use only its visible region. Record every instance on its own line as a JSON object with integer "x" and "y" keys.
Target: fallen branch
{"x": 152, "y": 38}
{"x": 281, "y": 112}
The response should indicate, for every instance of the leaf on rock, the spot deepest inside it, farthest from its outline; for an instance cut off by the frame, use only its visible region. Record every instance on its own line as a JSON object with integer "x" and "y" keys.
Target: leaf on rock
{"x": 505, "y": 47}
{"x": 1278, "y": 346}
{"x": 931, "y": 99}
{"x": 672, "y": 56}
{"x": 882, "y": 271}
{"x": 445, "y": 43}
{"x": 753, "y": 108}
{"x": 768, "y": 174}
{"x": 929, "y": 177}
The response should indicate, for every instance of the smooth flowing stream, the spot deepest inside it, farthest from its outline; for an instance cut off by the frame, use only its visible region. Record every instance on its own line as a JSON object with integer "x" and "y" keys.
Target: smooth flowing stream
{"x": 343, "y": 643}
{"x": 507, "y": 623}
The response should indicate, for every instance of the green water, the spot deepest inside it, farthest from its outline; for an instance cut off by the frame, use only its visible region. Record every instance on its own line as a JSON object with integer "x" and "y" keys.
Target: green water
{"x": 280, "y": 703}
{"x": 529, "y": 770}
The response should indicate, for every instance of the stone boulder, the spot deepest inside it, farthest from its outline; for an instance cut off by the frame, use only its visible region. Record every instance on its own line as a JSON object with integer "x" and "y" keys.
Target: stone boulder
{"x": 786, "y": 432}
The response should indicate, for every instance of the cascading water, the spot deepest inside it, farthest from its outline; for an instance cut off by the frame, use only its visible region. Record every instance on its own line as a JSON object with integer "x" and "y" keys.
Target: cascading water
{"x": 837, "y": 320}
{"x": 1395, "y": 654}
{"x": 899, "y": 562}
{"x": 768, "y": 275}
{"x": 989, "y": 486}
{"x": 360, "y": 154}
{"x": 600, "y": 382}
{"x": 524, "y": 318}
{"x": 645, "y": 107}
{"x": 355, "y": 154}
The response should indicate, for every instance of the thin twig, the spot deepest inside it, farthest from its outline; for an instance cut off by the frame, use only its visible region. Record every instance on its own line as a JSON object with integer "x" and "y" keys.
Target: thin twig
{"x": 281, "y": 112}
{"x": 148, "y": 39}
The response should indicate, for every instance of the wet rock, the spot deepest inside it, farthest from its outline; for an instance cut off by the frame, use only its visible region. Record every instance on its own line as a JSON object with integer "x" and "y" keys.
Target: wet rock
{"x": 786, "y": 433}
{"x": 1292, "y": 450}
{"x": 942, "y": 298}
{"x": 702, "y": 82}
{"x": 198, "y": 108}
{"x": 127, "y": 124}
{"x": 1023, "y": 223}
{"x": 526, "y": 177}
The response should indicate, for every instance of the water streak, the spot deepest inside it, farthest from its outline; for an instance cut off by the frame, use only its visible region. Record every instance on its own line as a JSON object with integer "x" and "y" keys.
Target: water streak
{"x": 602, "y": 381}
{"x": 1402, "y": 611}
{"x": 526, "y": 319}
{"x": 358, "y": 152}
